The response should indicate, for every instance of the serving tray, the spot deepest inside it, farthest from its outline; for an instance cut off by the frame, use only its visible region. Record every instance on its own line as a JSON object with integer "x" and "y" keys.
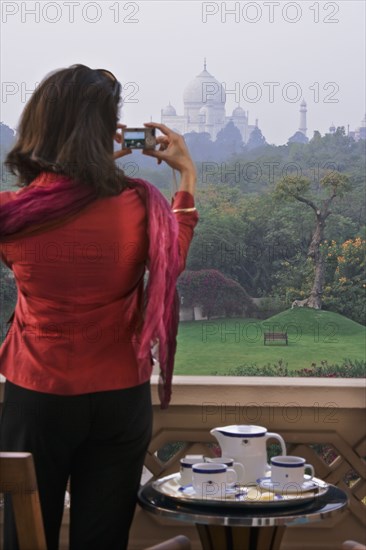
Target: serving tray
{"x": 239, "y": 495}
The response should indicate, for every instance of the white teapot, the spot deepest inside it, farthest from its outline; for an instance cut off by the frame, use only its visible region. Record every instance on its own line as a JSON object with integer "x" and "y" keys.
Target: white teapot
{"x": 247, "y": 445}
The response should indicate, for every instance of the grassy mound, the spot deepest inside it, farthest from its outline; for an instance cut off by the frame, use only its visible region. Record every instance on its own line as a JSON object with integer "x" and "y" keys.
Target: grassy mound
{"x": 310, "y": 320}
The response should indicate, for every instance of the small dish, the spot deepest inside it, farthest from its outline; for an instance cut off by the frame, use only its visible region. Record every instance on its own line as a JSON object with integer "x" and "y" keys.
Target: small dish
{"x": 310, "y": 484}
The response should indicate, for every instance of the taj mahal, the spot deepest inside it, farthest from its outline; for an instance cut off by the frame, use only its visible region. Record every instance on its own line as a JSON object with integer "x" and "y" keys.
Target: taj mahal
{"x": 204, "y": 109}
{"x": 204, "y": 101}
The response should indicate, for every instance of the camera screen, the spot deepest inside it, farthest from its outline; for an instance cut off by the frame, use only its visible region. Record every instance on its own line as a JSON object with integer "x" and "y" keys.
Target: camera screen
{"x": 134, "y": 135}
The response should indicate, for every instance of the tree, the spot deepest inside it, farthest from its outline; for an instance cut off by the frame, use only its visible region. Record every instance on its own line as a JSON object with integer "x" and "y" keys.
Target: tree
{"x": 297, "y": 188}
{"x": 298, "y": 137}
{"x": 7, "y": 139}
{"x": 217, "y": 294}
{"x": 228, "y": 141}
{"x": 346, "y": 263}
{"x": 200, "y": 145}
{"x": 316, "y": 137}
{"x": 8, "y": 298}
{"x": 256, "y": 139}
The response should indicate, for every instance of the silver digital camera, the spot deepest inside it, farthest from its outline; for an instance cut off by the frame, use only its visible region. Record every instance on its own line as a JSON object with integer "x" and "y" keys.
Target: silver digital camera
{"x": 138, "y": 138}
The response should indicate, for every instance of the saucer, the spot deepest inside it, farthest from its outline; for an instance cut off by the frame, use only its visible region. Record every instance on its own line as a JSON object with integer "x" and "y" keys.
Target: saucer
{"x": 309, "y": 484}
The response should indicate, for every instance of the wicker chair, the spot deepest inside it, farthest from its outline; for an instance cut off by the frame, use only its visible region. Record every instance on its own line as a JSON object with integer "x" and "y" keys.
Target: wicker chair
{"x": 18, "y": 477}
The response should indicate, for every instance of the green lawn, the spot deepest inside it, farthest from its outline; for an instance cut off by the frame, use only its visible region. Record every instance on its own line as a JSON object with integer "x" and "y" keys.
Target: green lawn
{"x": 215, "y": 346}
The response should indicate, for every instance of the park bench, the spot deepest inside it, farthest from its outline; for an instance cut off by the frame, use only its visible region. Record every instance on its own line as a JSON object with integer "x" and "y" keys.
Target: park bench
{"x": 275, "y": 336}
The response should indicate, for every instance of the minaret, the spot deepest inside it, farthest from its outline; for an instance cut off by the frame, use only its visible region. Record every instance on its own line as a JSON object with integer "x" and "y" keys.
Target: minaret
{"x": 303, "y": 111}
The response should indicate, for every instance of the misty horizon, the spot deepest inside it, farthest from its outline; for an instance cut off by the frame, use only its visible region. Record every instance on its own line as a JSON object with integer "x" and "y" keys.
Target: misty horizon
{"x": 268, "y": 56}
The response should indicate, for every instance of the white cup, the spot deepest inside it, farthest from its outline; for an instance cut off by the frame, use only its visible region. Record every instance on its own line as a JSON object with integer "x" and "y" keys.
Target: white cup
{"x": 212, "y": 479}
{"x": 229, "y": 462}
{"x": 186, "y": 464}
{"x": 287, "y": 472}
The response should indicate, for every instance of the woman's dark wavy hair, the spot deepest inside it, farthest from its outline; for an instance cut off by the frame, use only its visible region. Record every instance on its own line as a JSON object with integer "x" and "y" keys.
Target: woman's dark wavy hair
{"x": 67, "y": 127}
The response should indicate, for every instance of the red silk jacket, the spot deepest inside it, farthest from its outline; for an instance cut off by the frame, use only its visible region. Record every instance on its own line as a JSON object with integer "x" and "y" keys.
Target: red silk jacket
{"x": 80, "y": 286}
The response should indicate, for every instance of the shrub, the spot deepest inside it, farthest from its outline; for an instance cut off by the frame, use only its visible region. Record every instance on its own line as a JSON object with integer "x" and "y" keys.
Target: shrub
{"x": 349, "y": 368}
{"x": 346, "y": 294}
{"x": 271, "y": 305}
{"x": 216, "y": 293}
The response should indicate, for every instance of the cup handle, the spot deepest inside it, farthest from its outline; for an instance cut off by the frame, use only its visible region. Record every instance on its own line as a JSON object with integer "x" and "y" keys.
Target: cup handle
{"x": 232, "y": 477}
{"x": 310, "y": 467}
{"x": 239, "y": 469}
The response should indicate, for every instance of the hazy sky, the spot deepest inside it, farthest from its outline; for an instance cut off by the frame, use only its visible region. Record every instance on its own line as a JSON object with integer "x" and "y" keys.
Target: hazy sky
{"x": 309, "y": 49}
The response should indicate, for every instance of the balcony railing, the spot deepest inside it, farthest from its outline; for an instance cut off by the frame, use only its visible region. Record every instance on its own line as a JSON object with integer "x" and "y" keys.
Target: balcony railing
{"x": 322, "y": 420}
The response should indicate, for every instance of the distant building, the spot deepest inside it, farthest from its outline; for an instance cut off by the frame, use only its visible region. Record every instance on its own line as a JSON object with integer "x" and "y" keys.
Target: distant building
{"x": 204, "y": 101}
{"x": 303, "y": 112}
{"x": 300, "y": 135}
{"x": 359, "y": 133}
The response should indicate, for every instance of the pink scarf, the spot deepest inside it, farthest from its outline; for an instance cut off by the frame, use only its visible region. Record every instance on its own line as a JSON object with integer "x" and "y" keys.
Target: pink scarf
{"x": 40, "y": 208}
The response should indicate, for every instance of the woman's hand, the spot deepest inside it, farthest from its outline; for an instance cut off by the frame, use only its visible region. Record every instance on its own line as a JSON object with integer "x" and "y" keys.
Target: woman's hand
{"x": 173, "y": 150}
{"x": 118, "y": 139}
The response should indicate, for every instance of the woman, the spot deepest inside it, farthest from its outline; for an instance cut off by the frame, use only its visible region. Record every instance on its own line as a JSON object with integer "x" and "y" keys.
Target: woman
{"x": 79, "y": 236}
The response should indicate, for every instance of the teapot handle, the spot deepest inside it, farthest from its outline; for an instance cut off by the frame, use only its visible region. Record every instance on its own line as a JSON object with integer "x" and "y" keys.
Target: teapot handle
{"x": 281, "y": 441}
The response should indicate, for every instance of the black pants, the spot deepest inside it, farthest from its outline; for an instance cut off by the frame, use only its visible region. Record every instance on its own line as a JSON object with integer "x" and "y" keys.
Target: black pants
{"x": 99, "y": 440}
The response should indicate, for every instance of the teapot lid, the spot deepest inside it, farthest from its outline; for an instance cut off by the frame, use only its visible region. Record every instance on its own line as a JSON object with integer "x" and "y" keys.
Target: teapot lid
{"x": 242, "y": 431}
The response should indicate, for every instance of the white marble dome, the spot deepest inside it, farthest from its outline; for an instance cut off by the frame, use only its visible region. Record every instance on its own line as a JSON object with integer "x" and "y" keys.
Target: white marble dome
{"x": 169, "y": 111}
{"x": 239, "y": 112}
{"x": 204, "y": 89}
